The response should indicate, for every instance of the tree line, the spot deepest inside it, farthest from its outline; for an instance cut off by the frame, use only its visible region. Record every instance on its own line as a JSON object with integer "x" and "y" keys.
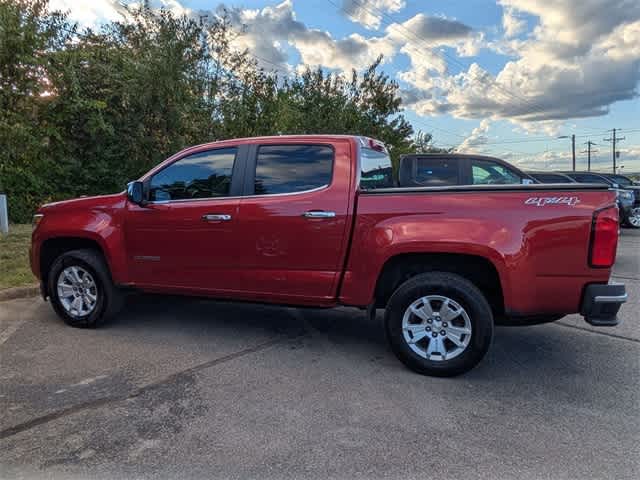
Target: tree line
{"x": 84, "y": 111}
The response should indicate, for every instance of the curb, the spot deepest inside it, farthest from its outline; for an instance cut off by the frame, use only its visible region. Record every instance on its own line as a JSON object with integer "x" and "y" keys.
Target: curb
{"x": 19, "y": 292}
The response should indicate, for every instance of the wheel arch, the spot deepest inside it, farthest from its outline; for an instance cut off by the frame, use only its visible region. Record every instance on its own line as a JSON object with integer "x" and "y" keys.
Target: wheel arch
{"x": 53, "y": 247}
{"x": 477, "y": 269}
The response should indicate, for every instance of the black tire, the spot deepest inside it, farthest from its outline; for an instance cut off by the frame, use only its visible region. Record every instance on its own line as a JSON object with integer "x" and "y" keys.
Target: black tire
{"x": 462, "y": 291}
{"x": 109, "y": 298}
{"x": 626, "y": 221}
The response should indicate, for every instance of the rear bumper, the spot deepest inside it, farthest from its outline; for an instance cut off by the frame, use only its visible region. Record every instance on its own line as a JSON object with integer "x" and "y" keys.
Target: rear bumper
{"x": 600, "y": 304}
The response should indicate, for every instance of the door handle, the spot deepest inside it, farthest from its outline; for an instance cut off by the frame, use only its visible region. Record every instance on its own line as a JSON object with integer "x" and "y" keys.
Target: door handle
{"x": 318, "y": 214}
{"x": 216, "y": 217}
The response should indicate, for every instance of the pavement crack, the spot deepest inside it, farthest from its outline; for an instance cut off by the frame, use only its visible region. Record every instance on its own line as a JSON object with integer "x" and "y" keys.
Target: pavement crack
{"x": 624, "y": 277}
{"x": 606, "y": 334}
{"x": 100, "y": 402}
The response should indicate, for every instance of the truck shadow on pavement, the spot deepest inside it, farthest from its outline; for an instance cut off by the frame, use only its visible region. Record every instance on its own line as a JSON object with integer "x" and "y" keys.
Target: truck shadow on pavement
{"x": 534, "y": 350}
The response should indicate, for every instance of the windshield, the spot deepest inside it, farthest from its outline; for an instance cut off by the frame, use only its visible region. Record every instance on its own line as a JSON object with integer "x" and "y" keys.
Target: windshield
{"x": 590, "y": 178}
{"x": 620, "y": 180}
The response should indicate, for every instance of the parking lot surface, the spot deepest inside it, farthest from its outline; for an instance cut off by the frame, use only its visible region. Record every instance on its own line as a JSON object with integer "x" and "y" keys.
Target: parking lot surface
{"x": 184, "y": 388}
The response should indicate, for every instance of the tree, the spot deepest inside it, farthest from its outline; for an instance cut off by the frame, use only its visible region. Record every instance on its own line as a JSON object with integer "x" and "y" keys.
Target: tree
{"x": 28, "y": 36}
{"x": 82, "y": 112}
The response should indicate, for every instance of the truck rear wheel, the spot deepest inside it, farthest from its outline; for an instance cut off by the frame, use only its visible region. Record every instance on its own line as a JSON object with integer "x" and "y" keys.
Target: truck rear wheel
{"x": 81, "y": 290}
{"x": 439, "y": 324}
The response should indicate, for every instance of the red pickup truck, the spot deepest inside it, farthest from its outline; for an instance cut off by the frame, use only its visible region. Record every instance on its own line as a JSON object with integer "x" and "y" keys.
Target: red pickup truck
{"x": 317, "y": 220}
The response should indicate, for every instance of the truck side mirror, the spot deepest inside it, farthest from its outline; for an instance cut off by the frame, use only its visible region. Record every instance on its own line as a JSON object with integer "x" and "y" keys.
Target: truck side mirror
{"x": 135, "y": 192}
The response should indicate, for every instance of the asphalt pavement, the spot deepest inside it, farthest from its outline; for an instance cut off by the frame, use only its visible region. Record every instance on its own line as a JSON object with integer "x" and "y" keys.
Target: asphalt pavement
{"x": 183, "y": 388}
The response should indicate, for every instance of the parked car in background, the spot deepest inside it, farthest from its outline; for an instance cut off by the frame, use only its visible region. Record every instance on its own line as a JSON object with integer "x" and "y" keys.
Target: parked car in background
{"x": 626, "y": 199}
{"x": 318, "y": 220}
{"x": 445, "y": 170}
{"x": 628, "y": 184}
{"x": 623, "y": 180}
{"x": 550, "y": 177}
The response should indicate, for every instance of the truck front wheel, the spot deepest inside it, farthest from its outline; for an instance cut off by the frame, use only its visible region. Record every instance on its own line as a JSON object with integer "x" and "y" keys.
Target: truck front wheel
{"x": 81, "y": 290}
{"x": 439, "y": 324}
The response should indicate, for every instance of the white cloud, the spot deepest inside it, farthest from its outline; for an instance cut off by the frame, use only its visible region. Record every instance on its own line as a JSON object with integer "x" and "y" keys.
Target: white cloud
{"x": 95, "y": 12}
{"x": 265, "y": 31}
{"x": 355, "y": 51}
{"x": 420, "y": 38}
{"x": 476, "y": 139}
{"x": 429, "y": 30}
{"x": 369, "y": 12}
{"x": 89, "y": 14}
{"x": 511, "y": 23}
{"x": 629, "y": 158}
{"x": 575, "y": 63}
{"x": 174, "y": 6}
{"x": 562, "y": 160}
{"x": 549, "y": 160}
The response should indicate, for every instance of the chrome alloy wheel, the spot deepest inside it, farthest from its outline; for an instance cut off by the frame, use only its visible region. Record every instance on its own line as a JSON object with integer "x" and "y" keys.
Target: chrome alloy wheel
{"x": 436, "y": 328}
{"x": 77, "y": 291}
{"x": 634, "y": 217}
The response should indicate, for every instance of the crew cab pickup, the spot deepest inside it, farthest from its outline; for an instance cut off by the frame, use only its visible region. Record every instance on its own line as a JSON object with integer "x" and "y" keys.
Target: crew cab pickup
{"x": 318, "y": 220}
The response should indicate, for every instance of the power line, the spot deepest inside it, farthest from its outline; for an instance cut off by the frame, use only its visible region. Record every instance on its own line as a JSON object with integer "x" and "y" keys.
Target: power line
{"x": 589, "y": 143}
{"x": 613, "y": 140}
{"x": 548, "y": 139}
{"x": 462, "y": 66}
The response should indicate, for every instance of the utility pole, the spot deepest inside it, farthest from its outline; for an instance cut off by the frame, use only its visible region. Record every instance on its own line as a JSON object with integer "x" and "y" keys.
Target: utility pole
{"x": 573, "y": 149}
{"x": 613, "y": 141}
{"x": 588, "y": 152}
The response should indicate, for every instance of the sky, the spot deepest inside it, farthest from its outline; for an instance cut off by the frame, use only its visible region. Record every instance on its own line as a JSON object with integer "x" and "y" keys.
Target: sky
{"x": 497, "y": 77}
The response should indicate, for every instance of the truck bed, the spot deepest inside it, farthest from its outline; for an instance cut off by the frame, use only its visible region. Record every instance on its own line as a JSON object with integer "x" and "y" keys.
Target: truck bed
{"x": 536, "y": 236}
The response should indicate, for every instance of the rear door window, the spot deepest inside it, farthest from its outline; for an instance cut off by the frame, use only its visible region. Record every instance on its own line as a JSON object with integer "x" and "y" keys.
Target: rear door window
{"x": 292, "y": 168}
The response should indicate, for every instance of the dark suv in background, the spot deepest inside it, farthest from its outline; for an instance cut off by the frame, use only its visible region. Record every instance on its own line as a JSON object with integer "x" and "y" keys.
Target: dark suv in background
{"x": 451, "y": 169}
{"x": 627, "y": 198}
{"x": 628, "y": 184}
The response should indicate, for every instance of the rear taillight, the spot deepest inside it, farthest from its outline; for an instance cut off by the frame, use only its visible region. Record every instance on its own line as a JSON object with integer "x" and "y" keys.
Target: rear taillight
{"x": 604, "y": 237}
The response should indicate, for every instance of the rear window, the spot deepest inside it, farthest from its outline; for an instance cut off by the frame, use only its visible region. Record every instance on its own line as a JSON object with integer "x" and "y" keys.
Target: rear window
{"x": 550, "y": 178}
{"x": 435, "y": 172}
{"x": 376, "y": 170}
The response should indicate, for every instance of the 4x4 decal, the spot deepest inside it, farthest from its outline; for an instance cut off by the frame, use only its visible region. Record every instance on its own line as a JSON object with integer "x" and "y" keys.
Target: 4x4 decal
{"x": 544, "y": 201}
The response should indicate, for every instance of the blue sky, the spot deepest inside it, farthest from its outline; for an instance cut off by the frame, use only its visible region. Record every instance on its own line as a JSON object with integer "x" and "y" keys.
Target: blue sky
{"x": 503, "y": 77}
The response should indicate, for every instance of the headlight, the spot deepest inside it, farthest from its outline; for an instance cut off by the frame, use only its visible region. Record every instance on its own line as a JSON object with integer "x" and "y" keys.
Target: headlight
{"x": 36, "y": 220}
{"x": 625, "y": 195}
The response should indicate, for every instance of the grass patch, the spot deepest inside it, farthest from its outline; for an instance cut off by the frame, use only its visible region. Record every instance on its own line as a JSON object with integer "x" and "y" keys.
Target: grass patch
{"x": 14, "y": 257}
